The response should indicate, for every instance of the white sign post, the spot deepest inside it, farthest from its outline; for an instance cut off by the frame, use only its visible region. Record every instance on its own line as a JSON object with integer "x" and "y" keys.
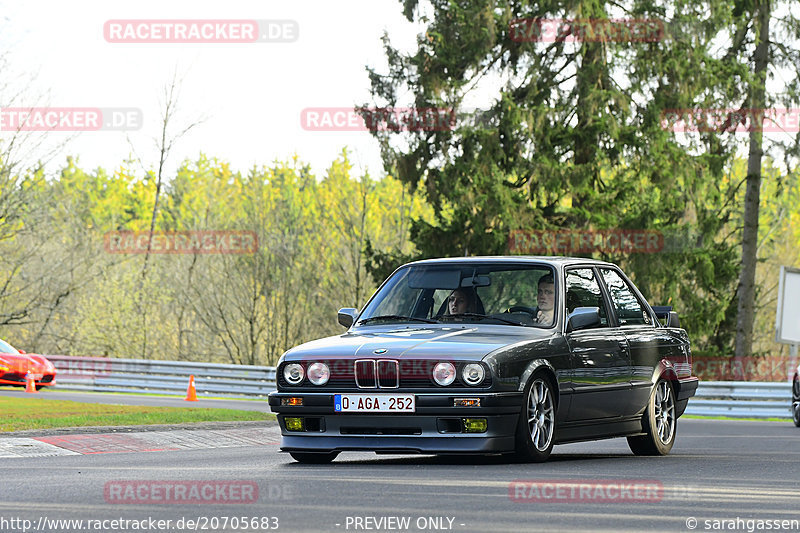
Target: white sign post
{"x": 787, "y": 319}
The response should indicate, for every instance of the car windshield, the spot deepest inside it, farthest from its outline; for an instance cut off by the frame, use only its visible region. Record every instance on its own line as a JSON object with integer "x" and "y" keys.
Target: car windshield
{"x": 512, "y": 294}
{"x": 7, "y": 348}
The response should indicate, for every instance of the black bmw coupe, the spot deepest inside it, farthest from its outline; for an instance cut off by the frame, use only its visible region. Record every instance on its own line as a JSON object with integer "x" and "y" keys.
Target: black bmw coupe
{"x": 489, "y": 355}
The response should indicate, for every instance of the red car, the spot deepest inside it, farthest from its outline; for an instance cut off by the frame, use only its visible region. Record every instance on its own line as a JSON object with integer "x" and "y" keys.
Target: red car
{"x": 14, "y": 365}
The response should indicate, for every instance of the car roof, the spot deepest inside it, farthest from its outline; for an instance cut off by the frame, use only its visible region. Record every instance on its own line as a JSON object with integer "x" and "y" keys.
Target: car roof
{"x": 548, "y": 259}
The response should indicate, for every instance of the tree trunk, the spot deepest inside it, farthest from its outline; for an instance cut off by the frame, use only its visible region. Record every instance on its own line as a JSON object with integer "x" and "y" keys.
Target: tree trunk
{"x": 747, "y": 276}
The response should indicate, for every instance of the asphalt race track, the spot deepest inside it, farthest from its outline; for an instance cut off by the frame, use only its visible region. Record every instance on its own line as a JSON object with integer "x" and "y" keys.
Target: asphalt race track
{"x": 718, "y": 471}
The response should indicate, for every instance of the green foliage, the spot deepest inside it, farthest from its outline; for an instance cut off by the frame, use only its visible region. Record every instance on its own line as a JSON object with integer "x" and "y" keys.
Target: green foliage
{"x": 573, "y": 136}
{"x": 62, "y": 292}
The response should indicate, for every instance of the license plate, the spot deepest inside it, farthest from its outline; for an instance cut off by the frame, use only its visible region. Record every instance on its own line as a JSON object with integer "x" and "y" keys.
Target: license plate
{"x": 373, "y": 403}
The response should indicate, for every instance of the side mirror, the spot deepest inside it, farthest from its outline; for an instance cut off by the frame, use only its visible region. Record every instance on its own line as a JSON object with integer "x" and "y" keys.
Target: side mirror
{"x": 582, "y": 318}
{"x": 667, "y": 316}
{"x": 346, "y": 316}
{"x": 23, "y": 352}
{"x": 673, "y": 321}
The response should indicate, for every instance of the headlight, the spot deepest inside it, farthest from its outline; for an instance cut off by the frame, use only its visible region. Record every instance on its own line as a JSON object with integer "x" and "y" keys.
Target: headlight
{"x": 444, "y": 373}
{"x": 473, "y": 373}
{"x": 294, "y": 373}
{"x": 318, "y": 373}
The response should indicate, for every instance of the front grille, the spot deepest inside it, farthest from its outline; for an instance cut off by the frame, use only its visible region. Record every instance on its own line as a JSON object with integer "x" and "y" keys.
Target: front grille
{"x": 365, "y": 374}
{"x": 388, "y": 374}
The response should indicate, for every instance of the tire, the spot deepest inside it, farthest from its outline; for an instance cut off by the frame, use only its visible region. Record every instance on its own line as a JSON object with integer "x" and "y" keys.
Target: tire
{"x": 536, "y": 428}
{"x": 660, "y": 423}
{"x": 313, "y": 458}
{"x": 796, "y": 401}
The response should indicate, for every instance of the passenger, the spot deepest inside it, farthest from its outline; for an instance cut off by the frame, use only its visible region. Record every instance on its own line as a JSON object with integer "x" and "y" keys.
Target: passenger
{"x": 546, "y": 297}
{"x": 463, "y": 300}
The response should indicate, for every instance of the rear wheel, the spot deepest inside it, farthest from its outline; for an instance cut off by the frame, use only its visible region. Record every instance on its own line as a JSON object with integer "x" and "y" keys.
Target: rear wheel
{"x": 313, "y": 458}
{"x": 660, "y": 424}
{"x": 537, "y": 421}
{"x": 796, "y": 401}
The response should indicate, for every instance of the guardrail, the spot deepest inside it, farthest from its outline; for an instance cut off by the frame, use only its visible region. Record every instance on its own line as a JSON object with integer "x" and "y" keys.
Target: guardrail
{"x": 738, "y": 399}
{"x": 161, "y": 377}
{"x": 742, "y": 399}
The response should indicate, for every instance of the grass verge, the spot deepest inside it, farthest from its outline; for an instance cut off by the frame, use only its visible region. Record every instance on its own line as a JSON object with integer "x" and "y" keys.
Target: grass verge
{"x": 22, "y": 413}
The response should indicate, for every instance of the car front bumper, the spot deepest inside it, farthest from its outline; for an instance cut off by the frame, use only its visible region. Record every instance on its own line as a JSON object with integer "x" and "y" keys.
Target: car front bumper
{"x": 13, "y": 378}
{"x": 435, "y": 426}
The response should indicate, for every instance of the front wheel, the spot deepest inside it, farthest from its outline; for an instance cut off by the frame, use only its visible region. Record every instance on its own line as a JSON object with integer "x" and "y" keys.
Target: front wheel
{"x": 660, "y": 424}
{"x": 537, "y": 421}
{"x": 796, "y": 401}
{"x": 313, "y": 458}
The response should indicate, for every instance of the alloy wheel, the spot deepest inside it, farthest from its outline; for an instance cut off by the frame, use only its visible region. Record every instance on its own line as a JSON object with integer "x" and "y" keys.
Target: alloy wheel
{"x": 664, "y": 411}
{"x": 541, "y": 415}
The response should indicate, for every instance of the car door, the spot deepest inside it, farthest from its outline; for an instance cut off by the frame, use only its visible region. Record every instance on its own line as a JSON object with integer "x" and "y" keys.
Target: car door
{"x": 599, "y": 356}
{"x": 646, "y": 342}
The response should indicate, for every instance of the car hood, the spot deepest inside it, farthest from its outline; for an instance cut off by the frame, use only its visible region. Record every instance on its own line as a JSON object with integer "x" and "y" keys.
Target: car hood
{"x": 461, "y": 342}
{"x": 22, "y": 363}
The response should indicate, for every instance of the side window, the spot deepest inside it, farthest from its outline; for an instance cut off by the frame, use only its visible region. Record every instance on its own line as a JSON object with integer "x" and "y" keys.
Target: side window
{"x": 628, "y": 308}
{"x": 583, "y": 290}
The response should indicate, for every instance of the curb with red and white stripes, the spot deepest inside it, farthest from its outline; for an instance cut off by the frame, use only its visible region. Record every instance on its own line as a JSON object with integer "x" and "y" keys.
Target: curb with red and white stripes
{"x": 145, "y": 441}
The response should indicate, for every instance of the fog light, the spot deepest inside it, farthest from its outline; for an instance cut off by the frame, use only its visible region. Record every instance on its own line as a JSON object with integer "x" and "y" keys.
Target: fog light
{"x": 293, "y": 424}
{"x": 291, "y": 401}
{"x": 466, "y": 402}
{"x": 475, "y": 425}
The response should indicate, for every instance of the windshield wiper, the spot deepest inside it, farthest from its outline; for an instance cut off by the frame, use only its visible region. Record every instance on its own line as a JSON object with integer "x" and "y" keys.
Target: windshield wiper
{"x": 483, "y": 317}
{"x": 397, "y": 317}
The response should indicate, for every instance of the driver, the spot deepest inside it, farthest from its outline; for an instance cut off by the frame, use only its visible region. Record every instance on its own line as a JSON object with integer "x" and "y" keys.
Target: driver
{"x": 546, "y": 298}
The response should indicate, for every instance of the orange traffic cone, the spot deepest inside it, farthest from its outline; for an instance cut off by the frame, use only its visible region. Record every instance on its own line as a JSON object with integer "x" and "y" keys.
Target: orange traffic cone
{"x": 191, "y": 393}
{"x": 30, "y": 383}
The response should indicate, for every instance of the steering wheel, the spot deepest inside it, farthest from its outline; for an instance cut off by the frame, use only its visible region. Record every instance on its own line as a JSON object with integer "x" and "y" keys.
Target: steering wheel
{"x": 522, "y": 309}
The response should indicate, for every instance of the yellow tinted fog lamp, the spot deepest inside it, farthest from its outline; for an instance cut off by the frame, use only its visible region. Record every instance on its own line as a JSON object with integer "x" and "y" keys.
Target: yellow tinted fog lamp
{"x": 475, "y": 425}
{"x": 466, "y": 402}
{"x": 291, "y": 401}
{"x": 293, "y": 424}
